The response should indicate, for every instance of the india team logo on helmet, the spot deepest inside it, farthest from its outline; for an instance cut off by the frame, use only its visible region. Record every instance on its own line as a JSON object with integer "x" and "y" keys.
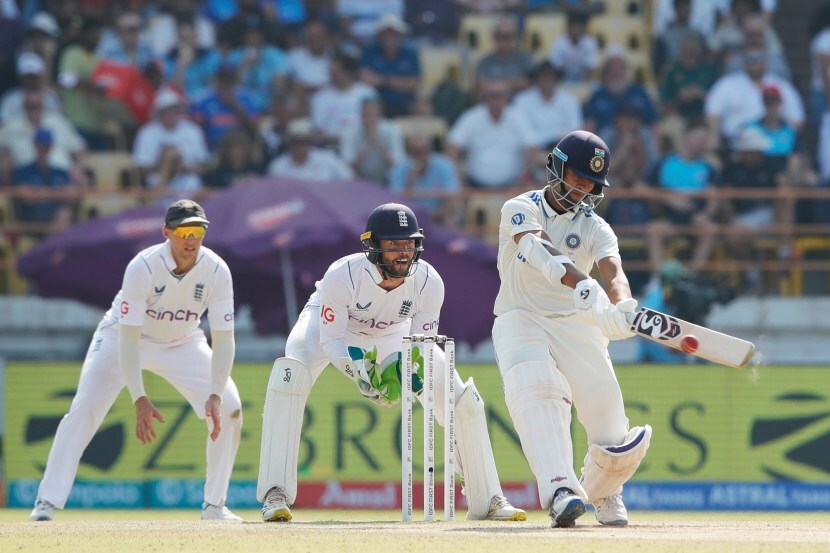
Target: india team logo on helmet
{"x": 598, "y": 161}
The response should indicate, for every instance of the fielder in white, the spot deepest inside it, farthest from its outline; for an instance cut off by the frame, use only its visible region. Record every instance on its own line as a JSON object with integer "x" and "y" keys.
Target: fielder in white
{"x": 356, "y": 319}
{"x": 551, "y": 334}
{"x": 153, "y": 325}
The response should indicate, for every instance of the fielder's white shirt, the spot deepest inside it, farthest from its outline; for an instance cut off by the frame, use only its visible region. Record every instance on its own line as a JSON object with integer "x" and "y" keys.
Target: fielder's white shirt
{"x": 351, "y": 301}
{"x": 585, "y": 238}
{"x": 167, "y": 307}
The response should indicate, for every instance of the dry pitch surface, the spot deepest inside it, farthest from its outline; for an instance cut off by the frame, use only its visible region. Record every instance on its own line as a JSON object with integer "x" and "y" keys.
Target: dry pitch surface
{"x": 380, "y": 531}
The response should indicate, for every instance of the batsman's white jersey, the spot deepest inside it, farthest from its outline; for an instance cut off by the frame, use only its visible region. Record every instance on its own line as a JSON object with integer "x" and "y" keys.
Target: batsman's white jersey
{"x": 547, "y": 357}
{"x": 169, "y": 309}
{"x": 585, "y": 238}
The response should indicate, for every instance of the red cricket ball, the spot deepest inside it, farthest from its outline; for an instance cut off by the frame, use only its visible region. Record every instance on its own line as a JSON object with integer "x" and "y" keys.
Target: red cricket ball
{"x": 689, "y": 343}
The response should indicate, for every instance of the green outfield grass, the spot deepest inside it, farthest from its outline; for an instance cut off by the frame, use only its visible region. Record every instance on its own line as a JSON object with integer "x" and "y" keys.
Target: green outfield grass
{"x": 164, "y": 531}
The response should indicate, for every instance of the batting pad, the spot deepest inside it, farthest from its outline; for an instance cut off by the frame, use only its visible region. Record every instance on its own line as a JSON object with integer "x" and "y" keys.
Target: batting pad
{"x": 288, "y": 390}
{"x": 481, "y": 481}
{"x": 539, "y": 400}
{"x": 607, "y": 468}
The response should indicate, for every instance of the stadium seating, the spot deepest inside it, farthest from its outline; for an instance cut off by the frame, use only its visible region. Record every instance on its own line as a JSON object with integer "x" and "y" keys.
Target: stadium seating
{"x": 112, "y": 171}
{"x": 540, "y": 30}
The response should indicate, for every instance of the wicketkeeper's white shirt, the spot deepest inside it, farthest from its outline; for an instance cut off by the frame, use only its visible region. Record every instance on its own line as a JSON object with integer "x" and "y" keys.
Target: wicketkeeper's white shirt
{"x": 351, "y": 301}
{"x": 167, "y": 307}
{"x": 585, "y": 238}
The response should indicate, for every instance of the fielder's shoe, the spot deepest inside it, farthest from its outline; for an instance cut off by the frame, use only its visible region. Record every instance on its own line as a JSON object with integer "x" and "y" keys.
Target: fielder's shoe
{"x": 611, "y": 511}
{"x": 275, "y": 507}
{"x": 218, "y": 512}
{"x": 566, "y": 508}
{"x": 43, "y": 510}
{"x": 500, "y": 509}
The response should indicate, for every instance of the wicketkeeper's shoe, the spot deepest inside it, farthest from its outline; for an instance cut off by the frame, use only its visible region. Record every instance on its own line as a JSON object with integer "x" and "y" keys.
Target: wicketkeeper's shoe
{"x": 500, "y": 509}
{"x": 275, "y": 507}
{"x": 611, "y": 511}
{"x": 218, "y": 512}
{"x": 566, "y": 508}
{"x": 43, "y": 510}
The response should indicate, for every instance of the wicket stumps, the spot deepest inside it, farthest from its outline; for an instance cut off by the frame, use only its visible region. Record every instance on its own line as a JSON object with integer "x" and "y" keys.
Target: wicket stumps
{"x": 428, "y": 401}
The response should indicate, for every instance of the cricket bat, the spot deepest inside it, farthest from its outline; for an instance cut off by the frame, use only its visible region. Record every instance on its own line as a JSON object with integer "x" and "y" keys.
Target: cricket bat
{"x": 691, "y": 338}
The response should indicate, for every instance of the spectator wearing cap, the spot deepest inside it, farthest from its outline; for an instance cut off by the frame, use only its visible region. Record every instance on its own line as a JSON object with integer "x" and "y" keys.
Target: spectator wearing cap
{"x": 309, "y": 61}
{"x": 782, "y": 136}
{"x": 390, "y": 65}
{"x": 495, "y": 141}
{"x": 374, "y": 144}
{"x": 226, "y": 105}
{"x": 429, "y": 177}
{"x": 189, "y": 66}
{"x": 263, "y": 68}
{"x": 45, "y": 194}
{"x": 80, "y": 94}
{"x": 747, "y": 167}
{"x": 576, "y": 52}
{"x": 124, "y": 43}
{"x": 735, "y": 99}
{"x": 615, "y": 89}
{"x": 42, "y": 38}
{"x": 170, "y": 151}
{"x": 337, "y": 106}
{"x": 552, "y": 111}
{"x": 68, "y": 147}
{"x": 30, "y": 72}
{"x": 507, "y": 62}
{"x": 304, "y": 161}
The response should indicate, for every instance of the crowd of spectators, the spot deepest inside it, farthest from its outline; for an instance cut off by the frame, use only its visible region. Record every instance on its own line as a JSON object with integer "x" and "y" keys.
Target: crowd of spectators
{"x": 329, "y": 90}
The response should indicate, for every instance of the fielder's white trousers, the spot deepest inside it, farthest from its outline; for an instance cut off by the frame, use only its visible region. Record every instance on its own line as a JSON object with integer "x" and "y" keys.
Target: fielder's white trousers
{"x": 186, "y": 366}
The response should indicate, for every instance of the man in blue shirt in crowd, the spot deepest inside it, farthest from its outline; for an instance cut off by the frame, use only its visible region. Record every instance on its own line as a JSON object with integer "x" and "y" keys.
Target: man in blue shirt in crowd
{"x": 33, "y": 203}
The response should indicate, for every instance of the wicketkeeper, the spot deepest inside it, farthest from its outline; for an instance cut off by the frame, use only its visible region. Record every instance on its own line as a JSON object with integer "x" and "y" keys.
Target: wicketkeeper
{"x": 356, "y": 320}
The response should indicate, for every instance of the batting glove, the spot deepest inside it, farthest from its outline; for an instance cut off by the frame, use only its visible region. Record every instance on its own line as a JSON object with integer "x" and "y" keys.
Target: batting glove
{"x": 588, "y": 294}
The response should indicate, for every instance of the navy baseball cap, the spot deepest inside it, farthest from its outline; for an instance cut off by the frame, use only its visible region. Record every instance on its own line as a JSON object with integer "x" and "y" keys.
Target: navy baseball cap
{"x": 585, "y": 154}
{"x": 184, "y": 212}
{"x": 43, "y": 137}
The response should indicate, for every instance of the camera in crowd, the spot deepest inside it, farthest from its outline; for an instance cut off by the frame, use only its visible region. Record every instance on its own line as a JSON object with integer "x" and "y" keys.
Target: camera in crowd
{"x": 691, "y": 297}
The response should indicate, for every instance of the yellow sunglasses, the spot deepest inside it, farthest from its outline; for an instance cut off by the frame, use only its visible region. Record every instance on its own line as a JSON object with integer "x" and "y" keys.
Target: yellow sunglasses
{"x": 186, "y": 232}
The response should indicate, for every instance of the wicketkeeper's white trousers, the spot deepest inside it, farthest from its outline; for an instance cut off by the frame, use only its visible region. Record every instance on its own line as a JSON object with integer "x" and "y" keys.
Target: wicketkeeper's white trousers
{"x": 186, "y": 366}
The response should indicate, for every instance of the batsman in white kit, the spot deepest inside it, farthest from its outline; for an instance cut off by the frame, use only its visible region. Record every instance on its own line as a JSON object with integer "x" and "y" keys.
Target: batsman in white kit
{"x": 356, "y": 319}
{"x": 551, "y": 334}
{"x": 153, "y": 325}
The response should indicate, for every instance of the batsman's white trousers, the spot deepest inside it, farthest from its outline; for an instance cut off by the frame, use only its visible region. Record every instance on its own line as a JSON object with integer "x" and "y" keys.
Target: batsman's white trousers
{"x": 580, "y": 352}
{"x": 186, "y": 366}
{"x": 303, "y": 344}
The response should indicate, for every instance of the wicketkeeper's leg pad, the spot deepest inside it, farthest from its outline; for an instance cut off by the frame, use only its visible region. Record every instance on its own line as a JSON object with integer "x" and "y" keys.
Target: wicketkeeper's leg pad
{"x": 288, "y": 389}
{"x": 607, "y": 468}
{"x": 481, "y": 481}
{"x": 538, "y": 397}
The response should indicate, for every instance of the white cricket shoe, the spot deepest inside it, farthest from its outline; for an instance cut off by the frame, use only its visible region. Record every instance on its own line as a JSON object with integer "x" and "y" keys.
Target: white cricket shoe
{"x": 500, "y": 509}
{"x": 611, "y": 511}
{"x": 275, "y": 507}
{"x": 566, "y": 508}
{"x": 43, "y": 510}
{"x": 218, "y": 512}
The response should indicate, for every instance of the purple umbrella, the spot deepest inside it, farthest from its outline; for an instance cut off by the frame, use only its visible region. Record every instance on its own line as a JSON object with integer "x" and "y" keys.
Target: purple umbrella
{"x": 278, "y": 237}
{"x": 87, "y": 262}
